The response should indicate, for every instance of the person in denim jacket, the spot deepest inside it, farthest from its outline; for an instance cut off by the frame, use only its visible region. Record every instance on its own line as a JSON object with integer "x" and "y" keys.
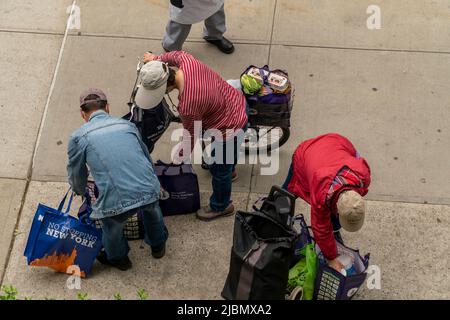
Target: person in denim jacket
{"x": 123, "y": 171}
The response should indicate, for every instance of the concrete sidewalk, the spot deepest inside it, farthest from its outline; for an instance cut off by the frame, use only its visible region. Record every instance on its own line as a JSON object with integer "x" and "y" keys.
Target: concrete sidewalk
{"x": 387, "y": 90}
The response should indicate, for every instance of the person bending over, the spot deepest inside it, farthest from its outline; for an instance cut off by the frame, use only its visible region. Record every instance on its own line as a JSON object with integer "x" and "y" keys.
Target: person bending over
{"x": 123, "y": 171}
{"x": 329, "y": 174}
{"x": 206, "y": 99}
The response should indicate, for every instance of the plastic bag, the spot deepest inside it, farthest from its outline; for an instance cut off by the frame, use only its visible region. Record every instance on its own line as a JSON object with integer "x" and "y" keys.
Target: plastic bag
{"x": 303, "y": 274}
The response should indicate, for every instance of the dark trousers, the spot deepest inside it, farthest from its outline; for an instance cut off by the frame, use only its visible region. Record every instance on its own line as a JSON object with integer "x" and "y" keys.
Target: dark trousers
{"x": 114, "y": 241}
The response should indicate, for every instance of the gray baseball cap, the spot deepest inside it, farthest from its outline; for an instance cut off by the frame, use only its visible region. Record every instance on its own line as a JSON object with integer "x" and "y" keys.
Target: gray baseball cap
{"x": 153, "y": 86}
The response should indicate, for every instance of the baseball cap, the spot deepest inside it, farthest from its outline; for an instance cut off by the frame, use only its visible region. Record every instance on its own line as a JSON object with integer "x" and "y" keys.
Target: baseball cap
{"x": 101, "y": 96}
{"x": 151, "y": 91}
{"x": 352, "y": 209}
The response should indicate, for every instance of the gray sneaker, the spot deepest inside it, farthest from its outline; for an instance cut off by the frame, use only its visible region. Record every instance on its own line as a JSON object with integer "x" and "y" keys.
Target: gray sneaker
{"x": 207, "y": 214}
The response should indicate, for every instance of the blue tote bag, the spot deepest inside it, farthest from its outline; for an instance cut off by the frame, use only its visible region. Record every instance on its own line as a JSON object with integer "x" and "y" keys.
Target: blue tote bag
{"x": 61, "y": 242}
{"x": 330, "y": 284}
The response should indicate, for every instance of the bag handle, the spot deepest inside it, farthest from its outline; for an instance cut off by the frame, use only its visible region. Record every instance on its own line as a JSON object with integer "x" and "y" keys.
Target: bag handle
{"x": 304, "y": 226}
{"x": 268, "y": 217}
{"x": 63, "y": 201}
{"x": 265, "y": 200}
{"x": 270, "y": 200}
{"x": 264, "y": 78}
{"x": 86, "y": 219}
{"x": 278, "y": 189}
{"x": 260, "y": 200}
{"x": 167, "y": 166}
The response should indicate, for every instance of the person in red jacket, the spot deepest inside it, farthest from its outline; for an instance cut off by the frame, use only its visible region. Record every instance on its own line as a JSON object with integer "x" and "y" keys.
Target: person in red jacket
{"x": 329, "y": 174}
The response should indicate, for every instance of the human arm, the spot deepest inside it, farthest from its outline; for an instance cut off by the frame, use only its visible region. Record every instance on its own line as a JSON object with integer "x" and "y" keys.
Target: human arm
{"x": 76, "y": 167}
{"x": 323, "y": 235}
{"x": 173, "y": 58}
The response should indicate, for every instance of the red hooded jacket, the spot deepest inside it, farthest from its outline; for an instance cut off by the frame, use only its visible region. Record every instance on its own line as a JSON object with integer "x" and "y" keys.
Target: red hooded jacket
{"x": 316, "y": 163}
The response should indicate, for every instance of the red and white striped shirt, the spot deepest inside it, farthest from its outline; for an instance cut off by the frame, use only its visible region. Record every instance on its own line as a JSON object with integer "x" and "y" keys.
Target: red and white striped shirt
{"x": 206, "y": 97}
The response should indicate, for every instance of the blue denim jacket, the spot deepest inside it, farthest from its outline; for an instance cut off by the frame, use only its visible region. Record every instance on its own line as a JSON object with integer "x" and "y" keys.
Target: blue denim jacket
{"x": 118, "y": 161}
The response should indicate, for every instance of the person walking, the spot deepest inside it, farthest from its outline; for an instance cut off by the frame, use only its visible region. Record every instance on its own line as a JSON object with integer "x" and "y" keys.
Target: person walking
{"x": 184, "y": 13}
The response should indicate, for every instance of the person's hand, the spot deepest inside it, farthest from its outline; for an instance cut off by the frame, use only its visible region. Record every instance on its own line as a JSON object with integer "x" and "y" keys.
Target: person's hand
{"x": 336, "y": 265}
{"x": 163, "y": 194}
{"x": 148, "y": 56}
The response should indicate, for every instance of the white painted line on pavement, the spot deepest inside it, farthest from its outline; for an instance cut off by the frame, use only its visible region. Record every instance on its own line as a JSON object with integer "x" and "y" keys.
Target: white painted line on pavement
{"x": 52, "y": 86}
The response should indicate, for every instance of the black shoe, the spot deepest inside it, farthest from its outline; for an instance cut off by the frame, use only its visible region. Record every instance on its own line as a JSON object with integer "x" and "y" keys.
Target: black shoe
{"x": 159, "y": 252}
{"x": 223, "y": 44}
{"x": 123, "y": 264}
{"x": 338, "y": 237}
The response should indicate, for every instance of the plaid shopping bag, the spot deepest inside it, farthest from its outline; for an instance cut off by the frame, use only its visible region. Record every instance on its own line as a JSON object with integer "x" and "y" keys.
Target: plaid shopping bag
{"x": 134, "y": 227}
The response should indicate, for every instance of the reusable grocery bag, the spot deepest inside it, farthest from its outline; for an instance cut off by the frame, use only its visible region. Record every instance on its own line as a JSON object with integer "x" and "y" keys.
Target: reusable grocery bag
{"x": 262, "y": 251}
{"x": 330, "y": 284}
{"x": 62, "y": 242}
{"x": 181, "y": 183}
{"x": 134, "y": 226}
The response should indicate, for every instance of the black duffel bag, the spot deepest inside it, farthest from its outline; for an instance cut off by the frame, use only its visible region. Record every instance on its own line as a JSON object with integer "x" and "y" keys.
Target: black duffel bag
{"x": 263, "y": 250}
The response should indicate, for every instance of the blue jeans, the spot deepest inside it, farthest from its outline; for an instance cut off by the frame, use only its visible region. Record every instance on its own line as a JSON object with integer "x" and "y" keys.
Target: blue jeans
{"x": 222, "y": 169}
{"x": 221, "y": 173}
{"x": 114, "y": 241}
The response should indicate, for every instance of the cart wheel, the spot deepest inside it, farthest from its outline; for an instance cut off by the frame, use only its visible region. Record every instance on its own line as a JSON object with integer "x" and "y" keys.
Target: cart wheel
{"x": 253, "y": 143}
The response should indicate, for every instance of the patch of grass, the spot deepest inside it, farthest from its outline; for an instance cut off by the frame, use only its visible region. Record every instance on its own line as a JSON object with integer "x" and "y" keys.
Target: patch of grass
{"x": 82, "y": 296}
{"x": 8, "y": 293}
{"x": 142, "y": 294}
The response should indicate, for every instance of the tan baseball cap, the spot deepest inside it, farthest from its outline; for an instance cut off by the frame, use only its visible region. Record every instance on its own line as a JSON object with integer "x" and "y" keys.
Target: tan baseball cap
{"x": 151, "y": 91}
{"x": 352, "y": 210}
